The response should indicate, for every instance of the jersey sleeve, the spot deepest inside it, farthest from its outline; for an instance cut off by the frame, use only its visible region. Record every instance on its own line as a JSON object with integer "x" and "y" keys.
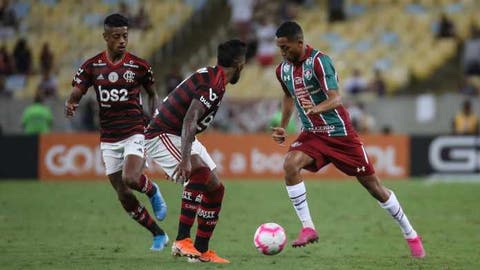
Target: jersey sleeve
{"x": 326, "y": 73}
{"x": 203, "y": 92}
{"x": 278, "y": 72}
{"x": 83, "y": 78}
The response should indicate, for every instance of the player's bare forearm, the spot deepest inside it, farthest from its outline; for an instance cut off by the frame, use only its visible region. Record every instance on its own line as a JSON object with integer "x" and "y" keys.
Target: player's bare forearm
{"x": 189, "y": 127}
{"x": 152, "y": 99}
{"x": 287, "y": 109}
{"x": 334, "y": 100}
{"x": 75, "y": 96}
{"x": 72, "y": 101}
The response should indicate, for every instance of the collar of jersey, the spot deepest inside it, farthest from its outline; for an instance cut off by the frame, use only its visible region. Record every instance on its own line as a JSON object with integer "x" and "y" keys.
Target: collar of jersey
{"x": 221, "y": 73}
{"x": 308, "y": 51}
{"x": 105, "y": 57}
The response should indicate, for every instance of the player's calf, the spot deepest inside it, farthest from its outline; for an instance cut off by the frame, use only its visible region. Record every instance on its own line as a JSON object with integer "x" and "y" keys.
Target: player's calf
{"x": 207, "y": 216}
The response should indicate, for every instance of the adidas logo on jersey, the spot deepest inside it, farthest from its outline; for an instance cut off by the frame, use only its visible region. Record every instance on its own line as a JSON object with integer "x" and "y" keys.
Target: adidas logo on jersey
{"x": 100, "y": 77}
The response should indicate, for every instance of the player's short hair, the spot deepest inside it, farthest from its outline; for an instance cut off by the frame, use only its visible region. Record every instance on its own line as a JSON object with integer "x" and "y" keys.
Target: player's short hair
{"x": 115, "y": 20}
{"x": 230, "y": 52}
{"x": 291, "y": 30}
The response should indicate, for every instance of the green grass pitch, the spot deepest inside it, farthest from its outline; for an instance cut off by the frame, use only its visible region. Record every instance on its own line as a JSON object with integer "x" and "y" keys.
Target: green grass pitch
{"x": 80, "y": 225}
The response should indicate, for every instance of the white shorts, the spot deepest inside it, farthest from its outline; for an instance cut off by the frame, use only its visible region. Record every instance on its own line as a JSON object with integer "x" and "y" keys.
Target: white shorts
{"x": 165, "y": 151}
{"x": 114, "y": 153}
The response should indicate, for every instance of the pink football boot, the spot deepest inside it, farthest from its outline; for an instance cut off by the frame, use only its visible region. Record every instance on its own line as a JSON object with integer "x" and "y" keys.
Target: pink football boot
{"x": 416, "y": 247}
{"x": 306, "y": 236}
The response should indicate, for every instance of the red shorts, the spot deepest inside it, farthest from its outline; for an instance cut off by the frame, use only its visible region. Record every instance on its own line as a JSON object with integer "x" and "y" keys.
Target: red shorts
{"x": 346, "y": 153}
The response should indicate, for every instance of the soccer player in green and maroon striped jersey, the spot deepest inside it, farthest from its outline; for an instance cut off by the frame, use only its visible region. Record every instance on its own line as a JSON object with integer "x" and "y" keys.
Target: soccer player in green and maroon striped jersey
{"x": 310, "y": 84}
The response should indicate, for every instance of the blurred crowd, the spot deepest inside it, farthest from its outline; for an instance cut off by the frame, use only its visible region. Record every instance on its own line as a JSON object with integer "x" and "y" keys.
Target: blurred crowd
{"x": 255, "y": 22}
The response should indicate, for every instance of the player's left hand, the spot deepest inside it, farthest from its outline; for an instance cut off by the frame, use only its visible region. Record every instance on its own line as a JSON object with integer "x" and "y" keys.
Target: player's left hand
{"x": 181, "y": 174}
{"x": 70, "y": 109}
{"x": 309, "y": 110}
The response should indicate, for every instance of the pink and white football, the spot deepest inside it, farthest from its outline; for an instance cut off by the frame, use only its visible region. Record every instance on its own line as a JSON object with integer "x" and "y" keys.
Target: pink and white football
{"x": 270, "y": 238}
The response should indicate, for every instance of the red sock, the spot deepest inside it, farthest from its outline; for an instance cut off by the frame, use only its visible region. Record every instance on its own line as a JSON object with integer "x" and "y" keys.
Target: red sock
{"x": 208, "y": 214}
{"x": 138, "y": 212}
{"x": 191, "y": 198}
{"x": 142, "y": 216}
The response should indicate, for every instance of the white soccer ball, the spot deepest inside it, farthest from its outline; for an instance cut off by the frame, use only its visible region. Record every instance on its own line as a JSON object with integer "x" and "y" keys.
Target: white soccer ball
{"x": 270, "y": 238}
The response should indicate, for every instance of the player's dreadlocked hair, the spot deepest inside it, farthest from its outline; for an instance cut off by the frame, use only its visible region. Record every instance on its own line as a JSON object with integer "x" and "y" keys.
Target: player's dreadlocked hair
{"x": 115, "y": 20}
{"x": 291, "y": 30}
{"x": 230, "y": 52}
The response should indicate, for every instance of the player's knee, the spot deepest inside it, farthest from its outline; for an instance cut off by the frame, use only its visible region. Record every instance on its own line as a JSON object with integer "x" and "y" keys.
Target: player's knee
{"x": 214, "y": 183}
{"x": 290, "y": 166}
{"x": 123, "y": 192}
{"x": 130, "y": 178}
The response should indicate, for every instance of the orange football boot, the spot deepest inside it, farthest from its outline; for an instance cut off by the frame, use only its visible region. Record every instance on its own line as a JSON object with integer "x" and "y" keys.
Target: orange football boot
{"x": 185, "y": 248}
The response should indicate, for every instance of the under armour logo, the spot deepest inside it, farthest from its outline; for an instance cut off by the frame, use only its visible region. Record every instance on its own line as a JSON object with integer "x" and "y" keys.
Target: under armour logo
{"x": 361, "y": 169}
{"x": 296, "y": 144}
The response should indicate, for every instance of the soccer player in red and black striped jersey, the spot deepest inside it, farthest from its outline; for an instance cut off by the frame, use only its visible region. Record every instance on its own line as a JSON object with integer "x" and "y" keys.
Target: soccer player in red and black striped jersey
{"x": 309, "y": 84}
{"x": 171, "y": 143}
{"x": 117, "y": 77}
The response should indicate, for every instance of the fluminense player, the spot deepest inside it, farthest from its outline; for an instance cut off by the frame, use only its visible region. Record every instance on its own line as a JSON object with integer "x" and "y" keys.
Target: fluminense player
{"x": 117, "y": 77}
{"x": 171, "y": 143}
{"x": 310, "y": 85}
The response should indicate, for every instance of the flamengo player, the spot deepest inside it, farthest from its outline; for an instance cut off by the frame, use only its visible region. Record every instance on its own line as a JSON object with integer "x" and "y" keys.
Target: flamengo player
{"x": 117, "y": 76}
{"x": 171, "y": 143}
{"x": 309, "y": 82}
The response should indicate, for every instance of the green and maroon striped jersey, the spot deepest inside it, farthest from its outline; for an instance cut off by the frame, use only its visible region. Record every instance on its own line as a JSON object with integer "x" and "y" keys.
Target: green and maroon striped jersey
{"x": 308, "y": 82}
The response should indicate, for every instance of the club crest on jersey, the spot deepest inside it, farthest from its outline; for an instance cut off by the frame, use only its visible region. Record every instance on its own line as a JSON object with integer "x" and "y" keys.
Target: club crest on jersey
{"x": 113, "y": 77}
{"x": 298, "y": 80}
{"x": 129, "y": 76}
{"x": 309, "y": 61}
{"x": 308, "y": 74}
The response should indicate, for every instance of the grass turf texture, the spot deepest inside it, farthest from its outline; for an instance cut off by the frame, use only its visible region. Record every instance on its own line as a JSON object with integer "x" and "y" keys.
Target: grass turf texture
{"x": 81, "y": 225}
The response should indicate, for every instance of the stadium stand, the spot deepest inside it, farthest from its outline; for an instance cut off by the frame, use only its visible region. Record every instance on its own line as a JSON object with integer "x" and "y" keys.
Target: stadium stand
{"x": 74, "y": 28}
{"x": 397, "y": 37}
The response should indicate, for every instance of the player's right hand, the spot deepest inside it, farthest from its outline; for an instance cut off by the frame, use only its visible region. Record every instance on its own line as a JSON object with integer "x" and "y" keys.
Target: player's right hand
{"x": 70, "y": 109}
{"x": 182, "y": 172}
{"x": 279, "y": 135}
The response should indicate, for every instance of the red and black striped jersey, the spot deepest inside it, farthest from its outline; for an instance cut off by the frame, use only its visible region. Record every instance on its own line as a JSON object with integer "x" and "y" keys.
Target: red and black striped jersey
{"x": 118, "y": 93}
{"x": 206, "y": 85}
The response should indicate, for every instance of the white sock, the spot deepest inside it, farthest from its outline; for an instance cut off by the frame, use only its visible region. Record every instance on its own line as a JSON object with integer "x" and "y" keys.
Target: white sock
{"x": 298, "y": 196}
{"x": 393, "y": 207}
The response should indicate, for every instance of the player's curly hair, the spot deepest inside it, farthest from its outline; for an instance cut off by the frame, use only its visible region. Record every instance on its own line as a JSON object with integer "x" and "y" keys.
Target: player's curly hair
{"x": 291, "y": 30}
{"x": 230, "y": 52}
{"x": 116, "y": 20}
